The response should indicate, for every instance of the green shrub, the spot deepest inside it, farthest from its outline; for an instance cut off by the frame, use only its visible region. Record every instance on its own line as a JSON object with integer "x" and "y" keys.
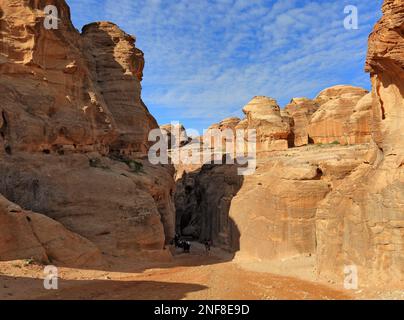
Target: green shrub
{"x": 135, "y": 166}
{"x": 28, "y": 262}
{"x": 96, "y": 163}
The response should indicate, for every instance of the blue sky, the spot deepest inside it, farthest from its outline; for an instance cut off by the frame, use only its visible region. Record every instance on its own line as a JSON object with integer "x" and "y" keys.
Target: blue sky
{"x": 205, "y": 59}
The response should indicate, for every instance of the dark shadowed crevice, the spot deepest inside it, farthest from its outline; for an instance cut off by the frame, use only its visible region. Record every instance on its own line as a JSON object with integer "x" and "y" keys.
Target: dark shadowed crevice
{"x": 4, "y": 127}
{"x": 203, "y": 200}
{"x": 5, "y": 132}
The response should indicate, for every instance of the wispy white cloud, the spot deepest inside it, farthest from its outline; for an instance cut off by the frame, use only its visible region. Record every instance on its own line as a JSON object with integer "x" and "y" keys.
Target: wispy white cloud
{"x": 206, "y": 58}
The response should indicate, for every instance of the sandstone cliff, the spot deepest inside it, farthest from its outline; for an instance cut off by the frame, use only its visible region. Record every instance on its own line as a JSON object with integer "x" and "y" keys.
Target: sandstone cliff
{"x": 73, "y": 132}
{"x": 73, "y": 136}
{"x": 365, "y": 216}
{"x": 343, "y": 116}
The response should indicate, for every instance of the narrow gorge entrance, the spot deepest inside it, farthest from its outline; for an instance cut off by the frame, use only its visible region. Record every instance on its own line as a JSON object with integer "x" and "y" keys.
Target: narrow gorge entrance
{"x": 203, "y": 199}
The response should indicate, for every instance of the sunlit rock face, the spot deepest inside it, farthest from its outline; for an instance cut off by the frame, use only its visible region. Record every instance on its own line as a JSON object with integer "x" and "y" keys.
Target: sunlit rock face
{"x": 361, "y": 223}
{"x": 263, "y": 114}
{"x": 117, "y": 65}
{"x": 73, "y": 136}
{"x": 275, "y": 209}
{"x": 301, "y": 110}
{"x": 176, "y": 135}
{"x": 69, "y": 90}
{"x": 343, "y": 116}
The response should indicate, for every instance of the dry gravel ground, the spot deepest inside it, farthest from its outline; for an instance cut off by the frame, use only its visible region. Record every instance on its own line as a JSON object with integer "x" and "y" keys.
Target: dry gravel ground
{"x": 193, "y": 276}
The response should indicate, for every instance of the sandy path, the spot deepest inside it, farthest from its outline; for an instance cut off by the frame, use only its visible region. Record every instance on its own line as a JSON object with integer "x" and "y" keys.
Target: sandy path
{"x": 194, "y": 276}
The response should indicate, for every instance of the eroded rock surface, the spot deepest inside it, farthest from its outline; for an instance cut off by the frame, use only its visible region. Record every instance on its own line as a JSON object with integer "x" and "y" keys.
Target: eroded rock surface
{"x": 343, "y": 116}
{"x": 275, "y": 209}
{"x": 365, "y": 216}
{"x": 73, "y": 135}
{"x": 118, "y": 68}
{"x": 29, "y": 235}
{"x": 264, "y": 115}
{"x": 301, "y": 110}
{"x": 228, "y": 123}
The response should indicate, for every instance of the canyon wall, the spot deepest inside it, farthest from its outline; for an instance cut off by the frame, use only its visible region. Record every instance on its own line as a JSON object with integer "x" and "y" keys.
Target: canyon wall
{"x": 203, "y": 198}
{"x": 362, "y": 222}
{"x": 73, "y": 135}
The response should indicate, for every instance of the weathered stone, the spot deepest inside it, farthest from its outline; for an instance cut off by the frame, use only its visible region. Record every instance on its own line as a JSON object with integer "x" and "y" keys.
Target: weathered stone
{"x": 29, "y": 235}
{"x": 337, "y": 119}
{"x": 264, "y": 115}
{"x": 359, "y": 224}
{"x": 74, "y": 132}
{"x": 301, "y": 110}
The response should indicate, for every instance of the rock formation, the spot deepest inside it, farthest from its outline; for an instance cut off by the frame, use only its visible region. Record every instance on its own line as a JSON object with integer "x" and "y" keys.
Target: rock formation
{"x": 73, "y": 140}
{"x": 275, "y": 209}
{"x": 176, "y": 135}
{"x": 301, "y": 111}
{"x": 264, "y": 115}
{"x": 343, "y": 116}
{"x": 73, "y": 132}
{"x": 228, "y": 123}
{"x": 364, "y": 217}
{"x": 118, "y": 68}
{"x": 28, "y": 235}
{"x": 63, "y": 91}
{"x": 270, "y": 214}
{"x": 203, "y": 199}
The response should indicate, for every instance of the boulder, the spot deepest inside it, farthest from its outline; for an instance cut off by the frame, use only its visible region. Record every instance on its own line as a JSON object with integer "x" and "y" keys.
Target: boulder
{"x": 29, "y": 235}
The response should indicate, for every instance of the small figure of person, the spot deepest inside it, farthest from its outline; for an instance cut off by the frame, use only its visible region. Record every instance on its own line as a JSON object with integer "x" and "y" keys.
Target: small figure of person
{"x": 177, "y": 240}
{"x": 186, "y": 245}
{"x": 208, "y": 244}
